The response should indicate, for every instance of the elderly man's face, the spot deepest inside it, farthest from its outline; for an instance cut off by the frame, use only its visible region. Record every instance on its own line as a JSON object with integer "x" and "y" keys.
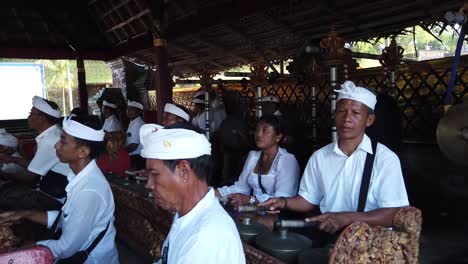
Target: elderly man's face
{"x": 352, "y": 118}
{"x": 169, "y": 119}
{"x": 164, "y": 184}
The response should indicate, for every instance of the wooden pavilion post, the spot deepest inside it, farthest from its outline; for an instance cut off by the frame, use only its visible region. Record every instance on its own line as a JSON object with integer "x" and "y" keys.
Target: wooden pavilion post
{"x": 82, "y": 89}
{"x": 333, "y": 52}
{"x": 162, "y": 82}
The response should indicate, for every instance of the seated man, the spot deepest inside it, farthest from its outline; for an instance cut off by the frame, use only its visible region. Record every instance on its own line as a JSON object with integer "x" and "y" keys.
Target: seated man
{"x": 217, "y": 113}
{"x": 9, "y": 153}
{"x": 134, "y": 112}
{"x": 270, "y": 105}
{"x": 174, "y": 113}
{"x": 45, "y": 165}
{"x": 111, "y": 122}
{"x": 179, "y": 167}
{"x": 87, "y": 217}
{"x": 332, "y": 177}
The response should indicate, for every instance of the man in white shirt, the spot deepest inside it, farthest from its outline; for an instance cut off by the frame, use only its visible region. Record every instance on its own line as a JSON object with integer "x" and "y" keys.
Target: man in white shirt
{"x": 179, "y": 167}
{"x": 174, "y": 113}
{"x": 9, "y": 153}
{"x": 134, "y": 112}
{"x": 332, "y": 177}
{"x": 270, "y": 105}
{"x": 88, "y": 212}
{"x": 45, "y": 167}
{"x": 111, "y": 122}
{"x": 217, "y": 113}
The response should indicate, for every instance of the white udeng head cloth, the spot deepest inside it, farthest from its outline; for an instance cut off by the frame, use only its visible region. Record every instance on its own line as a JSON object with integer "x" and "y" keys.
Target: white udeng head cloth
{"x": 350, "y": 91}
{"x": 270, "y": 98}
{"x": 7, "y": 139}
{"x": 40, "y": 104}
{"x": 173, "y": 109}
{"x": 172, "y": 144}
{"x": 113, "y": 106}
{"x": 79, "y": 130}
{"x": 135, "y": 104}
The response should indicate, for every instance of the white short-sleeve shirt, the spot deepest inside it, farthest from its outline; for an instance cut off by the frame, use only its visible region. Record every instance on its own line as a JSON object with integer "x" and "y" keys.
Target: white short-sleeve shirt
{"x": 12, "y": 167}
{"x": 205, "y": 235}
{"x": 45, "y": 158}
{"x": 133, "y": 134}
{"x": 112, "y": 124}
{"x": 332, "y": 180}
{"x": 281, "y": 181}
{"x": 88, "y": 210}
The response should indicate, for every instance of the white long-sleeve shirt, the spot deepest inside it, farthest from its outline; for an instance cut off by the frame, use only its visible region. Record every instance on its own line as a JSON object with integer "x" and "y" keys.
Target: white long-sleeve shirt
{"x": 281, "y": 181}
{"x": 332, "y": 180}
{"x": 88, "y": 210}
{"x": 112, "y": 124}
{"x": 133, "y": 134}
{"x": 205, "y": 235}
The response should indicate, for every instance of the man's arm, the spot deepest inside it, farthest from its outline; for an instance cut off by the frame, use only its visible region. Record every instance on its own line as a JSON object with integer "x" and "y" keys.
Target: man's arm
{"x": 296, "y": 203}
{"x": 333, "y": 222}
{"x": 25, "y": 177}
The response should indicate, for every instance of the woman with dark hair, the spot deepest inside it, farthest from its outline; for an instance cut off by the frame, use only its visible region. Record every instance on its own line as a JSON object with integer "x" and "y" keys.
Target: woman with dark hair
{"x": 268, "y": 172}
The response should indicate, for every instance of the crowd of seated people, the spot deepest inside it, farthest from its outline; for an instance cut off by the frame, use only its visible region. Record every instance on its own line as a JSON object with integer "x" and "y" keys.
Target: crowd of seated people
{"x": 64, "y": 185}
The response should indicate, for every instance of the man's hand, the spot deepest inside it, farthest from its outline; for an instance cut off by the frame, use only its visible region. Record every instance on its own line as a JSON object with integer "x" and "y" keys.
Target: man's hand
{"x": 9, "y": 218}
{"x": 274, "y": 205}
{"x": 332, "y": 222}
{"x": 237, "y": 199}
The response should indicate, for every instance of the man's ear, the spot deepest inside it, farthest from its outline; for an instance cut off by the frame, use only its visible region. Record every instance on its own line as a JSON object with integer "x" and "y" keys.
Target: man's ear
{"x": 370, "y": 120}
{"x": 83, "y": 151}
{"x": 184, "y": 169}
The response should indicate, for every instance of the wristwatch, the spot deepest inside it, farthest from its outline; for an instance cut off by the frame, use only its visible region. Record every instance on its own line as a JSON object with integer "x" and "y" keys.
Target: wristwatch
{"x": 252, "y": 200}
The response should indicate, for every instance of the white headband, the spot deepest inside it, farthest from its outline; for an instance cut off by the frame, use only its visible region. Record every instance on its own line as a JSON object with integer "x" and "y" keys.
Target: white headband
{"x": 40, "y": 104}
{"x": 135, "y": 104}
{"x": 173, "y": 109}
{"x": 270, "y": 98}
{"x": 113, "y": 106}
{"x": 350, "y": 91}
{"x": 172, "y": 144}
{"x": 7, "y": 139}
{"x": 79, "y": 130}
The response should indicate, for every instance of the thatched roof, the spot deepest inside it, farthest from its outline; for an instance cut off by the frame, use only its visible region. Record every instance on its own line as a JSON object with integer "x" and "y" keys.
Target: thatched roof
{"x": 203, "y": 34}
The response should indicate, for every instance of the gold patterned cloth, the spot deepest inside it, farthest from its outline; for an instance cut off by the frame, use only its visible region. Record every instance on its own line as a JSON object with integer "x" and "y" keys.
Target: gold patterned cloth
{"x": 361, "y": 244}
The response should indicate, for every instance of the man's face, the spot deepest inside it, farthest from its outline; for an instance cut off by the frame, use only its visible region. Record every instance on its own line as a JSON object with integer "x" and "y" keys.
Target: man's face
{"x": 165, "y": 185}
{"x": 67, "y": 148}
{"x": 133, "y": 112}
{"x": 269, "y": 108}
{"x": 169, "y": 119}
{"x": 352, "y": 118}
{"x": 35, "y": 118}
{"x": 106, "y": 111}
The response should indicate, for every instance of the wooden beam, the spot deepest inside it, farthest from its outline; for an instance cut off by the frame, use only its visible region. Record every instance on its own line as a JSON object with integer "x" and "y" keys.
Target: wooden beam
{"x": 129, "y": 20}
{"x": 224, "y": 50}
{"x": 53, "y": 53}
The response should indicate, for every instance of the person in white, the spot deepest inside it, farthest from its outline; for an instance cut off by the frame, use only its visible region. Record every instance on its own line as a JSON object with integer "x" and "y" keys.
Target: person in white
{"x": 217, "y": 112}
{"x": 332, "y": 177}
{"x": 178, "y": 165}
{"x": 9, "y": 153}
{"x": 276, "y": 175}
{"x": 174, "y": 113}
{"x": 111, "y": 122}
{"x": 270, "y": 105}
{"x": 45, "y": 165}
{"x": 89, "y": 208}
{"x": 134, "y": 112}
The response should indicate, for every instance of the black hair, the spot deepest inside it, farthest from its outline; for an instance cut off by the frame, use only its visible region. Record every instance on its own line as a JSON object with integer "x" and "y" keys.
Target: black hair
{"x": 51, "y": 119}
{"x": 276, "y": 122}
{"x": 76, "y": 111}
{"x": 201, "y": 166}
{"x": 96, "y": 147}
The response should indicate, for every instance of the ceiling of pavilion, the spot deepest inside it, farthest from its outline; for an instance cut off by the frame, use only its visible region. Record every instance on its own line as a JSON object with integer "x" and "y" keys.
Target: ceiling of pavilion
{"x": 202, "y": 35}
